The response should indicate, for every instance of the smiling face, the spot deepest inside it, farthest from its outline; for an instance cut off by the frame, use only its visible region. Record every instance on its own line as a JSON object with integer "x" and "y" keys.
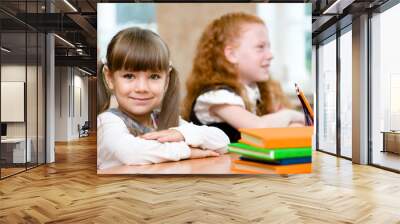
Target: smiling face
{"x": 251, "y": 53}
{"x": 138, "y": 72}
{"x": 138, "y": 93}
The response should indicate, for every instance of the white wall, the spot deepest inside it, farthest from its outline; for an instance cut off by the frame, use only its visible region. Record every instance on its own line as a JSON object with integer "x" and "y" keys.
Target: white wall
{"x": 12, "y": 101}
{"x": 61, "y": 103}
{"x": 69, "y": 85}
{"x": 287, "y": 25}
{"x": 80, "y": 94}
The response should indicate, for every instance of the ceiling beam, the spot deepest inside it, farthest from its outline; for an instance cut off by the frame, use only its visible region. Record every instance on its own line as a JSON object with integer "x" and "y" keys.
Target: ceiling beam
{"x": 82, "y": 61}
{"x": 89, "y": 30}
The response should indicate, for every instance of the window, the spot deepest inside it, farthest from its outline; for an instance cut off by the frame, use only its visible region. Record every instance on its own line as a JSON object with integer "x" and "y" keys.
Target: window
{"x": 385, "y": 89}
{"x": 22, "y": 68}
{"x": 290, "y": 43}
{"x": 327, "y": 96}
{"x": 118, "y": 16}
{"x": 346, "y": 94}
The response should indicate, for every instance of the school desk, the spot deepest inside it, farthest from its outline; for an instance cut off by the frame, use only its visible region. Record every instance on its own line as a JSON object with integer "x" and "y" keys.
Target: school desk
{"x": 210, "y": 165}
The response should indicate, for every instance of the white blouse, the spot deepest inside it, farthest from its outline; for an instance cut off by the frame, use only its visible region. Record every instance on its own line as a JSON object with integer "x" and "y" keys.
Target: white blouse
{"x": 117, "y": 146}
{"x": 220, "y": 97}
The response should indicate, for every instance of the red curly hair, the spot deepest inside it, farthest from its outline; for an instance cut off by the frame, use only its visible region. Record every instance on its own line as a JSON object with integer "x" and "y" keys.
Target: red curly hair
{"x": 211, "y": 69}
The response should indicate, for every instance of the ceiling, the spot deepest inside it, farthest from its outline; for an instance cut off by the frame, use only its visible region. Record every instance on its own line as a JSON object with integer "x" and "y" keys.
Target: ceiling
{"x": 76, "y": 26}
{"x": 330, "y": 15}
{"x": 76, "y": 21}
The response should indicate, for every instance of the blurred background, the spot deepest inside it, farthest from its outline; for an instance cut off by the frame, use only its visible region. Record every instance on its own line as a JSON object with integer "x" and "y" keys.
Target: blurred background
{"x": 181, "y": 26}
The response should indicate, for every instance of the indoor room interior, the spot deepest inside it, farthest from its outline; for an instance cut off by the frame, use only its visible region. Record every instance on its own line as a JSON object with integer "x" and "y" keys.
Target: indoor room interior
{"x": 48, "y": 64}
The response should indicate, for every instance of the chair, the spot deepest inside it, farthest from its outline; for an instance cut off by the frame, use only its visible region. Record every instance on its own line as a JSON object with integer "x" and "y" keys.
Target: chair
{"x": 84, "y": 130}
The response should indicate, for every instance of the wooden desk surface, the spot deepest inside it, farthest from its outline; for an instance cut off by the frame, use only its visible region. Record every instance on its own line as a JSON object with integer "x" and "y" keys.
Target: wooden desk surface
{"x": 210, "y": 165}
{"x": 13, "y": 140}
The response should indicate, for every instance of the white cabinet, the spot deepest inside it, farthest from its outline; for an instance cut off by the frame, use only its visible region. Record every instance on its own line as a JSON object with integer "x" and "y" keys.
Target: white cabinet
{"x": 15, "y": 148}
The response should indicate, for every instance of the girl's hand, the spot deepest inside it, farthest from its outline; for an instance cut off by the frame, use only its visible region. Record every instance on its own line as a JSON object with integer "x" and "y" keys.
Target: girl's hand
{"x": 170, "y": 135}
{"x": 295, "y": 116}
{"x": 198, "y": 153}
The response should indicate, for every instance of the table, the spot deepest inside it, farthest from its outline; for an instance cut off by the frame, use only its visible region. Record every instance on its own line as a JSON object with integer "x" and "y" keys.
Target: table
{"x": 210, "y": 165}
{"x": 391, "y": 141}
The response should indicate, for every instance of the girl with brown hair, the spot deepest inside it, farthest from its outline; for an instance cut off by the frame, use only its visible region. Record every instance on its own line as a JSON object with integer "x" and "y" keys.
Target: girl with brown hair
{"x": 229, "y": 86}
{"x": 145, "y": 127}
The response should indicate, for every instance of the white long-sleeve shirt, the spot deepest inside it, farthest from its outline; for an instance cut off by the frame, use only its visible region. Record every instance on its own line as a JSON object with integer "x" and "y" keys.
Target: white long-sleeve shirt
{"x": 222, "y": 96}
{"x": 117, "y": 146}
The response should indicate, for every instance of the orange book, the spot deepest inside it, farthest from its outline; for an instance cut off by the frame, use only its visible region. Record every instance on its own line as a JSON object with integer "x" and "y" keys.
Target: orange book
{"x": 274, "y": 138}
{"x": 242, "y": 166}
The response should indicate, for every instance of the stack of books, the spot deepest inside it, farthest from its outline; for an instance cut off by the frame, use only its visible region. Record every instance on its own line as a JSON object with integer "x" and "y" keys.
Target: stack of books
{"x": 273, "y": 150}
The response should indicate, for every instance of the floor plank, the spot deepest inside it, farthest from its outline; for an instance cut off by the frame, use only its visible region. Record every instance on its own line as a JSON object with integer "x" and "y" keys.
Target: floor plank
{"x": 69, "y": 191}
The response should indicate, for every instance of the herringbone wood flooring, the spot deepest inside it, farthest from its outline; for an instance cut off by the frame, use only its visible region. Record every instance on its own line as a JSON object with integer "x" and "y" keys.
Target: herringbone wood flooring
{"x": 69, "y": 191}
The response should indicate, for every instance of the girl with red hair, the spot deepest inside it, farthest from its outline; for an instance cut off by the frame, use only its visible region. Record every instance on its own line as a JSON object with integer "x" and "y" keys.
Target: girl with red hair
{"x": 229, "y": 86}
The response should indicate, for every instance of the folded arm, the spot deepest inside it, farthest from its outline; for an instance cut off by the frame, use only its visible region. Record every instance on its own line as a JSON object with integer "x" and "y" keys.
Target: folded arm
{"x": 204, "y": 137}
{"x": 238, "y": 117}
{"x": 116, "y": 142}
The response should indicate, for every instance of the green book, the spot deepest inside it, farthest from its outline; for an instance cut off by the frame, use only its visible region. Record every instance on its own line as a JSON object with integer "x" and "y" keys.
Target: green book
{"x": 268, "y": 154}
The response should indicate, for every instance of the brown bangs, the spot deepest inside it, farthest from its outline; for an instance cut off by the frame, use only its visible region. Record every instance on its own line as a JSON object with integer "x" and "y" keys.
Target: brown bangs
{"x": 138, "y": 50}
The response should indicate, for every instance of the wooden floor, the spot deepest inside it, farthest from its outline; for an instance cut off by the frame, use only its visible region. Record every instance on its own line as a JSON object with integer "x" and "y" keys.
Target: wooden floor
{"x": 69, "y": 191}
{"x": 10, "y": 171}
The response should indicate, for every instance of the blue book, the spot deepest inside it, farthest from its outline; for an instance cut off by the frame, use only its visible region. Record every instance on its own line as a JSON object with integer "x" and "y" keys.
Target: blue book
{"x": 288, "y": 161}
